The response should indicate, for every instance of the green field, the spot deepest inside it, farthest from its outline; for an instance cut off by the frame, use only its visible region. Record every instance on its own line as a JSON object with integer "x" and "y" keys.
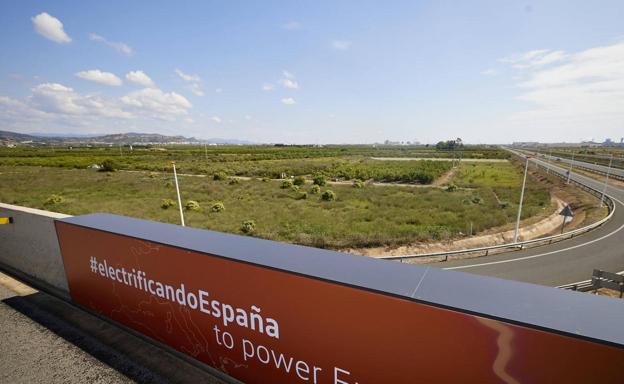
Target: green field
{"x": 484, "y": 194}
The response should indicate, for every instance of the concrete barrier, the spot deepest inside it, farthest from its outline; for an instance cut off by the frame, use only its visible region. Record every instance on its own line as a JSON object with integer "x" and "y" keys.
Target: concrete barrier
{"x": 29, "y": 248}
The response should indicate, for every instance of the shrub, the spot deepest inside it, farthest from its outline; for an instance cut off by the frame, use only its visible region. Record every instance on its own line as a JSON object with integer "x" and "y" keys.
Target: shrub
{"x": 294, "y": 188}
{"x": 166, "y": 203}
{"x": 504, "y": 204}
{"x": 319, "y": 180}
{"x": 315, "y": 190}
{"x": 54, "y": 199}
{"x": 358, "y": 184}
{"x": 299, "y": 180}
{"x": 451, "y": 188}
{"x": 220, "y": 176}
{"x": 217, "y": 206}
{"x": 153, "y": 175}
{"x": 286, "y": 184}
{"x": 248, "y": 226}
{"x": 233, "y": 181}
{"x": 169, "y": 184}
{"x": 265, "y": 179}
{"x": 302, "y": 195}
{"x": 477, "y": 200}
{"x": 328, "y": 195}
{"x": 109, "y": 165}
{"x": 192, "y": 205}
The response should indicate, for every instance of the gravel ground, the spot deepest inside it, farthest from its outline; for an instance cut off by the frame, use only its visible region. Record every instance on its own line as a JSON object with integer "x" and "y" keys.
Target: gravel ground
{"x": 30, "y": 353}
{"x": 46, "y": 340}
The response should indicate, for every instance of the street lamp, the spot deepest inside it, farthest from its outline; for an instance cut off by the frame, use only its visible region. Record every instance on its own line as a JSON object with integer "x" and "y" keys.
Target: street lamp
{"x": 570, "y": 170}
{"x": 526, "y": 167}
{"x": 175, "y": 176}
{"x": 604, "y": 189}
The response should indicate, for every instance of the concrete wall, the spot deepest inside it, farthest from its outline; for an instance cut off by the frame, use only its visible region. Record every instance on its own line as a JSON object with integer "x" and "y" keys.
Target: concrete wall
{"x": 29, "y": 248}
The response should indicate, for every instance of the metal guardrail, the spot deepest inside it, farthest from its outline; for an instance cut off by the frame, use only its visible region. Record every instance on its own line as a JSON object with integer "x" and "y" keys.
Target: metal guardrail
{"x": 527, "y": 243}
{"x": 582, "y": 286}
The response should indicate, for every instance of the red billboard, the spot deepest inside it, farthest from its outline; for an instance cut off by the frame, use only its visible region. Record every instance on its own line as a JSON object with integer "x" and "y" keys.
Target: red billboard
{"x": 265, "y": 325}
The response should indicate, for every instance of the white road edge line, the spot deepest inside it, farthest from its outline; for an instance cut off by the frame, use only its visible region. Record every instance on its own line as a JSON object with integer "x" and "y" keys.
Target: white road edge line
{"x": 543, "y": 254}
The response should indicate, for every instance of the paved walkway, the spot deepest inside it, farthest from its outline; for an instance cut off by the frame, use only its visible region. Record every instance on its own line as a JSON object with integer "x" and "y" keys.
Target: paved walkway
{"x": 46, "y": 340}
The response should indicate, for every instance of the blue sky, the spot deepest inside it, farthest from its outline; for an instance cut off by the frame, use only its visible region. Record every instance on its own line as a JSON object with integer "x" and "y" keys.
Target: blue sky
{"x": 316, "y": 72}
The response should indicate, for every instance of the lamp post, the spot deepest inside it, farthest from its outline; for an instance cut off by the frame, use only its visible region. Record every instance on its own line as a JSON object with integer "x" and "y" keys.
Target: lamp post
{"x": 604, "y": 189}
{"x": 175, "y": 176}
{"x": 570, "y": 170}
{"x": 526, "y": 166}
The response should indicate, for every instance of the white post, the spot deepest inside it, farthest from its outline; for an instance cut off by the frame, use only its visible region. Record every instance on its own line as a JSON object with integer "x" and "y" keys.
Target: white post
{"x": 570, "y": 170}
{"x": 175, "y": 176}
{"x": 604, "y": 189}
{"x": 526, "y": 166}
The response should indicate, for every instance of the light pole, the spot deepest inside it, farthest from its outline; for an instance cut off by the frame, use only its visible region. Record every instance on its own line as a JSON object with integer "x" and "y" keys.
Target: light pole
{"x": 175, "y": 176}
{"x": 526, "y": 167}
{"x": 604, "y": 189}
{"x": 570, "y": 170}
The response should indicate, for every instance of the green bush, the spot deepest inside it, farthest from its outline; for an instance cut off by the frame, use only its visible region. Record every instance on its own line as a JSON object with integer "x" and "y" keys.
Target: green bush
{"x": 233, "y": 181}
{"x": 192, "y": 205}
{"x": 166, "y": 203}
{"x": 265, "y": 179}
{"x": 302, "y": 195}
{"x": 109, "y": 165}
{"x": 451, "y": 188}
{"x": 319, "y": 180}
{"x": 358, "y": 184}
{"x": 153, "y": 175}
{"x": 248, "y": 226}
{"x": 504, "y": 204}
{"x": 328, "y": 195}
{"x": 477, "y": 200}
{"x": 217, "y": 206}
{"x": 287, "y": 184}
{"x": 315, "y": 190}
{"x": 54, "y": 199}
{"x": 294, "y": 188}
{"x": 169, "y": 184}
{"x": 299, "y": 180}
{"x": 220, "y": 176}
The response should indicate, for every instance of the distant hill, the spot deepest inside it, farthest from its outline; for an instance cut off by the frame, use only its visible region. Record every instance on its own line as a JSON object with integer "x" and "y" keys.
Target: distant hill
{"x": 117, "y": 139}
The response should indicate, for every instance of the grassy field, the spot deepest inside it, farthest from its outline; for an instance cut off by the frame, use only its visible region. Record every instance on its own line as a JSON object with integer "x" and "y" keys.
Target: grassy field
{"x": 347, "y": 162}
{"x": 484, "y": 194}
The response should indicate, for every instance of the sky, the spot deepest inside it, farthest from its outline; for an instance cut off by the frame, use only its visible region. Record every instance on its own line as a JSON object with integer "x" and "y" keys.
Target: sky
{"x": 316, "y": 71}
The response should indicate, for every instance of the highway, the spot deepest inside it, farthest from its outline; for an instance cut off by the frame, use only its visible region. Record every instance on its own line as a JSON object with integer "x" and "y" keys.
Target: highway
{"x": 559, "y": 263}
{"x": 596, "y": 167}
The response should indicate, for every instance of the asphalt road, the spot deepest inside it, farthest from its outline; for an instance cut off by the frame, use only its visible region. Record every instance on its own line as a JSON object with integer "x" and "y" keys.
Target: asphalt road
{"x": 596, "y": 167}
{"x": 560, "y": 263}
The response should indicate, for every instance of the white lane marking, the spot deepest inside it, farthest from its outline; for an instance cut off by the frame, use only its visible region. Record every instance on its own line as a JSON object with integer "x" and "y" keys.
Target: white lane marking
{"x": 543, "y": 254}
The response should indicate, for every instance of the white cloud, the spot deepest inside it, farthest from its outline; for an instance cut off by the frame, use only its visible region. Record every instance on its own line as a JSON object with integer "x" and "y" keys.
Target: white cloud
{"x": 289, "y": 83}
{"x": 51, "y": 28}
{"x": 194, "y": 82}
{"x": 341, "y": 45}
{"x": 140, "y": 78}
{"x": 156, "y": 103}
{"x": 186, "y": 77}
{"x": 288, "y": 75}
{"x": 582, "y": 92}
{"x": 288, "y": 101}
{"x": 292, "y": 25}
{"x": 216, "y": 119}
{"x": 57, "y": 99}
{"x": 533, "y": 59}
{"x": 489, "y": 72}
{"x": 98, "y": 76}
{"x": 116, "y": 45}
{"x": 268, "y": 87}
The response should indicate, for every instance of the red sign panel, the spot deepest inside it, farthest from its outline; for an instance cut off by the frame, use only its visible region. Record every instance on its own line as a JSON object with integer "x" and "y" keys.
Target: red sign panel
{"x": 262, "y": 325}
